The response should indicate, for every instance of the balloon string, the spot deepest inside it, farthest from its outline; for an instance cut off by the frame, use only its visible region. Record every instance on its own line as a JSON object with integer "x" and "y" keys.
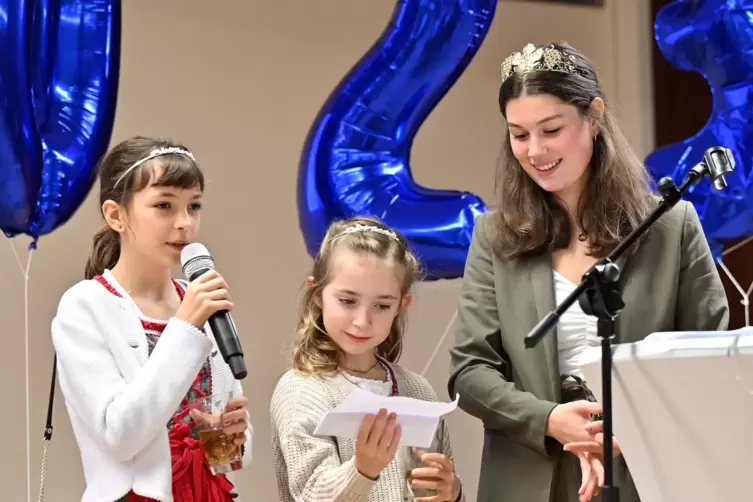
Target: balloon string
{"x": 439, "y": 345}
{"x": 737, "y": 246}
{"x": 18, "y": 258}
{"x": 745, "y": 294}
{"x": 25, "y": 272}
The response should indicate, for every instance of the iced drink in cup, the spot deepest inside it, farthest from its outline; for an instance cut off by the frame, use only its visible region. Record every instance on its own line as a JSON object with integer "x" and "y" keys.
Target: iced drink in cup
{"x": 221, "y": 452}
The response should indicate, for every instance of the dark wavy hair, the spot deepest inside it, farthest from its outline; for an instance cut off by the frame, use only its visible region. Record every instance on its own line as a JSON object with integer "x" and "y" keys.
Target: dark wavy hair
{"x": 618, "y": 194}
{"x": 118, "y": 184}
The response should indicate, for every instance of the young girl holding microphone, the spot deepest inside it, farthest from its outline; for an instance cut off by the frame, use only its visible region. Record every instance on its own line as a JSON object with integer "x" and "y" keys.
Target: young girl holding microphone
{"x": 132, "y": 344}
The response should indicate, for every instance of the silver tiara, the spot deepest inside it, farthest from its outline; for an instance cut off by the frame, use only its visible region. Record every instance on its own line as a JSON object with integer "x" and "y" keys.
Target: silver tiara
{"x": 157, "y": 152}
{"x": 368, "y": 228}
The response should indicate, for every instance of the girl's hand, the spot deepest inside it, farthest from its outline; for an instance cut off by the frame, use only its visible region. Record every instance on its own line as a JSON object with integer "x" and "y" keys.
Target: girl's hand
{"x": 438, "y": 475}
{"x": 377, "y": 443}
{"x": 235, "y": 419}
{"x": 204, "y": 296}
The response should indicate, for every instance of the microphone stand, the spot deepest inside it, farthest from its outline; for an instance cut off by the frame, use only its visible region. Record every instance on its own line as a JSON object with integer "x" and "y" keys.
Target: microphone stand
{"x": 599, "y": 295}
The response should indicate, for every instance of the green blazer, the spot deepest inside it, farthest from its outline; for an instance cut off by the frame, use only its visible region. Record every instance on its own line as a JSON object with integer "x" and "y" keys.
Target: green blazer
{"x": 671, "y": 283}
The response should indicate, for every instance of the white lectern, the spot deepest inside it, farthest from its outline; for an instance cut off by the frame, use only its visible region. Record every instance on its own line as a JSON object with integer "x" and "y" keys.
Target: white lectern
{"x": 683, "y": 413}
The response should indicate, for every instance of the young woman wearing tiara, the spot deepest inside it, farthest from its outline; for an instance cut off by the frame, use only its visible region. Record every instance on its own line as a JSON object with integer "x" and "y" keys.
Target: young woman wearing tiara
{"x": 132, "y": 344}
{"x": 350, "y": 336}
{"x": 569, "y": 189}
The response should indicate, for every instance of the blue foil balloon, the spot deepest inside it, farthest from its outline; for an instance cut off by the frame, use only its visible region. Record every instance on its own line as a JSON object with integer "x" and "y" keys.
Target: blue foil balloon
{"x": 356, "y": 159}
{"x": 715, "y": 39}
{"x": 58, "y": 91}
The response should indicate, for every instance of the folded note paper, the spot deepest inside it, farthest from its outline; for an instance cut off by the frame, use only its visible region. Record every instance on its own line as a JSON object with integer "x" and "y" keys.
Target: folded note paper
{"x": 418, "y": 419}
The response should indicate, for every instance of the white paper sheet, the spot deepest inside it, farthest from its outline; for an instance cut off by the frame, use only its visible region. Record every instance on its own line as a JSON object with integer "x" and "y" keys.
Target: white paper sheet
{"x": 418, "y": 419}
{"x": 683, "y": 413}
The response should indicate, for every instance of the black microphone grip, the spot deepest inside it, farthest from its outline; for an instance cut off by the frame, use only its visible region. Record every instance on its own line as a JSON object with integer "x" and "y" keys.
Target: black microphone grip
{"x": 226, "y": 335}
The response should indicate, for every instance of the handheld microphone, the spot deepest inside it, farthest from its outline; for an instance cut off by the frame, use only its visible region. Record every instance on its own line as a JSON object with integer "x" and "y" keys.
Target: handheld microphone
{"x": 196, "y": 261}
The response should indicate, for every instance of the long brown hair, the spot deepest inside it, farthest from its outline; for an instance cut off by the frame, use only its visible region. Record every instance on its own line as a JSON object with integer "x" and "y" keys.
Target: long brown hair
{"x": 314, "y": 352}
{"x": 119, "y": 184}
{"x": 618, "y": 193}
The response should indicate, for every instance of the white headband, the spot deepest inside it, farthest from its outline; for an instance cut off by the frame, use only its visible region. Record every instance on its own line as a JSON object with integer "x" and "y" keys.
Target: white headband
{"x": 155, "y": 153}
{"x": 368, "y": 228}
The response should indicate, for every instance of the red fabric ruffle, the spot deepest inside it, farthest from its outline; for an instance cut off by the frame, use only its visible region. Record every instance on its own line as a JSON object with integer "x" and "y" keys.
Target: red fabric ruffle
{"x": 192, "y": 479}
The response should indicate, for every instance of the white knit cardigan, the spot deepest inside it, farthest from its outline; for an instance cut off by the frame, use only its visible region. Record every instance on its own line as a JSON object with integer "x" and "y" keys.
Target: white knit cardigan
{"x": 119, "y": 398}
{"x": 321, "y": 469}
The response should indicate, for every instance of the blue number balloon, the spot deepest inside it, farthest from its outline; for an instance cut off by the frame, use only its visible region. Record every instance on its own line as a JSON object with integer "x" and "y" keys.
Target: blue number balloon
{"x": 356, "y": 157}
{"x": 713, "y": 38}
{"x": 58, "y": 90}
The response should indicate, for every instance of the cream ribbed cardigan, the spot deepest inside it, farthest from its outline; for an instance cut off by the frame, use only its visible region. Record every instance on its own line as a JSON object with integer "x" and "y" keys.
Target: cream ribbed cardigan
{"x": 321, "y": 469}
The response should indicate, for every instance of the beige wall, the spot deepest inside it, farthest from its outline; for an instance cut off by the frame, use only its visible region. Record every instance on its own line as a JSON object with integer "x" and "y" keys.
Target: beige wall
{"x": 240, "y": 83}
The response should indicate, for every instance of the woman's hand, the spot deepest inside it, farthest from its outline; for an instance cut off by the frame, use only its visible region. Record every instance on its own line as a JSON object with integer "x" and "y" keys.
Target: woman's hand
{"x": 376, "y": 444}
{"x": 592, "y": 475}
{"x": 438, "y": 475}
{"x": 204, "y": 296}
{"x": 567, "y": 422}
{"x": 595, "y": 445}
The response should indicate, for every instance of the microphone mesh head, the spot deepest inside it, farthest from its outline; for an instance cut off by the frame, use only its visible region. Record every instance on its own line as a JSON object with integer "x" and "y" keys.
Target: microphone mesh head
{"x": 195, "y": 257}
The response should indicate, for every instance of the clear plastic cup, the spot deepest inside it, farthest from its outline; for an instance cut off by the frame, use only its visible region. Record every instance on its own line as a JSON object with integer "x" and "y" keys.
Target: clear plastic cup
{"x": 221, "y": 452}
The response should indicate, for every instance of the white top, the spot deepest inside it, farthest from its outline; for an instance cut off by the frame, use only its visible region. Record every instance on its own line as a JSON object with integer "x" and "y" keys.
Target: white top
{"x": 120, "y": 399}
{"x": 576, "y": 331}
{"x": 379, "y": 387}
{"x": 321, "y": 469}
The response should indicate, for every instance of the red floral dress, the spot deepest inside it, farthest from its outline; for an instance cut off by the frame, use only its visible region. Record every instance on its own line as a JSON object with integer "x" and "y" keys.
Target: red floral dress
{"x": 192, "y": 479}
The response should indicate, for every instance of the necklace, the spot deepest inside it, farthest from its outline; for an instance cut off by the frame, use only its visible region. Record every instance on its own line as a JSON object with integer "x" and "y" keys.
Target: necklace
{"x": 362, "y": 372}
{"x": 390, "y": 376}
